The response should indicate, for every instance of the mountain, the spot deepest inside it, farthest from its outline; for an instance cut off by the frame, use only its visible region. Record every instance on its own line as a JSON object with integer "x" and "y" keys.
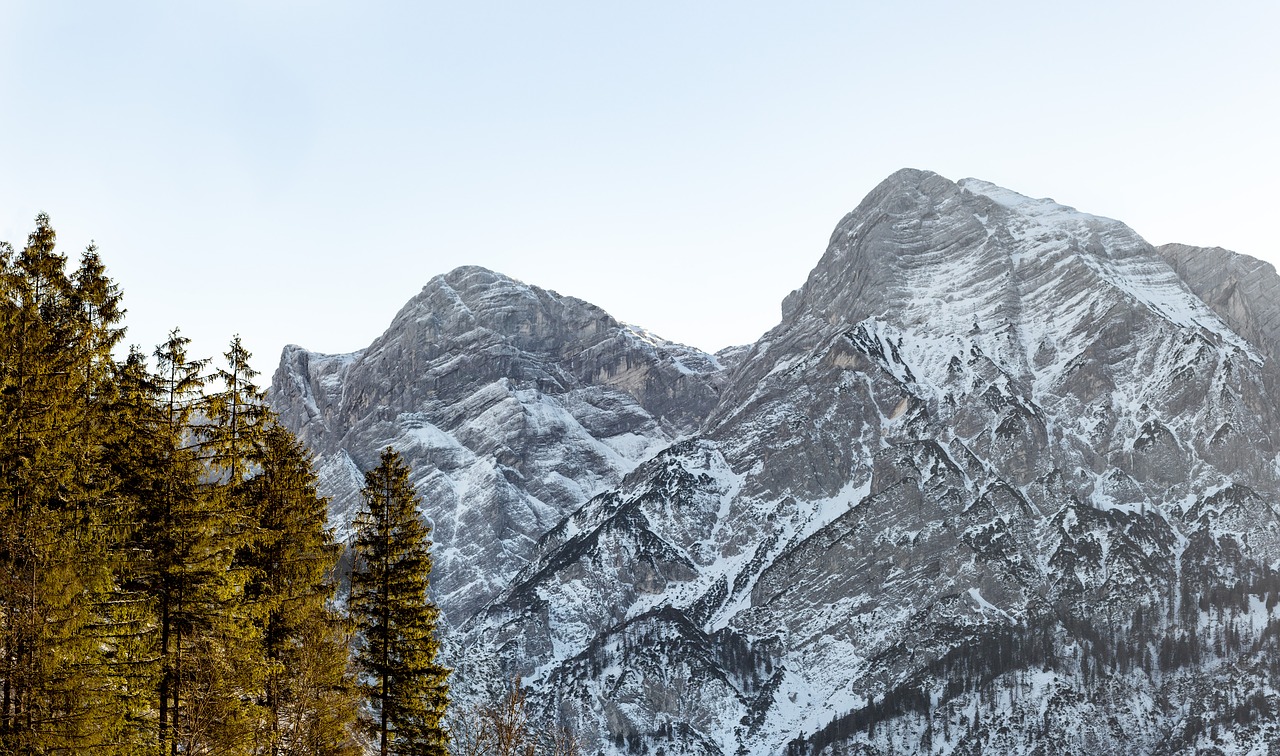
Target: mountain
{"x": 1244, "y": 292}
{"x": 511, "y": 403}
{"x": 1004, "y": 478}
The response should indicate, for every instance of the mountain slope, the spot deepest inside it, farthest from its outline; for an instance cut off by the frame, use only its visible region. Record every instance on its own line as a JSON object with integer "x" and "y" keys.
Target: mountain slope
{"x": 512, "y": 404}
{"x": 997, "y": 472}
{"x": 1241, "y": 290}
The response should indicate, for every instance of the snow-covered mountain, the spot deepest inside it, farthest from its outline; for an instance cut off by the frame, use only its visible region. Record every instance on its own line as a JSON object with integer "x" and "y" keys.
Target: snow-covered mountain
{"x": 1003, "y": 478}
{"x": 513, "y": 405}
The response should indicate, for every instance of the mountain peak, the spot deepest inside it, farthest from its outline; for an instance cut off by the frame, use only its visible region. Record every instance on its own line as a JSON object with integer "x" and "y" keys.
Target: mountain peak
{"x": 1000, "y": 470}
{"x": 472, "y": 299}
{"x": 474, "y": 278}
{"x": 986, "y": 421}
{"x": 938, "y": 273}
{"x": 513, "y": 404}
{"x": 1012, "y": 200}
{"x": 906, "y": 178}
{"x": 921, "y": 249}
{"x": 883, "y": 242}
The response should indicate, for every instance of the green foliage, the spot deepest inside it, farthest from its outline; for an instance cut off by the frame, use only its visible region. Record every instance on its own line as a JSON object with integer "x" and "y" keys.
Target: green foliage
{"x": 308, "y": 695}
{"x": 204, "y": 635}
{"x": 238, "y": 413}
{"x": 389, "y": 601}
{"x": 52, "y": 566}
{"x": 165, "y": 573}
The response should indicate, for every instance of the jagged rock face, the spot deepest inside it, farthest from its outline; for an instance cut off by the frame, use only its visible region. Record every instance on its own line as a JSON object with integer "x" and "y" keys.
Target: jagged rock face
{"x": 513, "y": 405}
{"x": 1244, "y": 292}
{"x": 997, "y": 472}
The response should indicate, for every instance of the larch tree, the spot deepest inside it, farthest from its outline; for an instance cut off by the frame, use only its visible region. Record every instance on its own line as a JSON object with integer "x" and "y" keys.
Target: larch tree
{"x": 407, "y": 688}
{"x": 505, "y": 728}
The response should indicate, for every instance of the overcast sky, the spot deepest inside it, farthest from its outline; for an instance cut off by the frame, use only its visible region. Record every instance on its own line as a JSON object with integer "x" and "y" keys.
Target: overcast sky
{"x": 295, "y": 171}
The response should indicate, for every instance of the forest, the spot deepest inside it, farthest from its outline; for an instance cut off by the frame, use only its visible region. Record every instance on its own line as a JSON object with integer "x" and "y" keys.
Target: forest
{"x": 170, "y": 584}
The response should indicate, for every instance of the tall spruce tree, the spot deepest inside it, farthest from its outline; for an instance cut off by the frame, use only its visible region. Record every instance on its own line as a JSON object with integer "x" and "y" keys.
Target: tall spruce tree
{"x": 95, "y": 309}
{"x": 237, "y": 416}
{"x": 51, "y": 558}
{"x": 231, "y": 666}
{"x": 95, "y": 300}
{"x": 144, "y": 460}
{"x": 216, "y": 670}
{"x": 407, "y": 687}
{"x": 185, "y": 545}
{"x": 202, "y": 705}
{"x": 309, "y": 695}
{"x": 165, "y": 573}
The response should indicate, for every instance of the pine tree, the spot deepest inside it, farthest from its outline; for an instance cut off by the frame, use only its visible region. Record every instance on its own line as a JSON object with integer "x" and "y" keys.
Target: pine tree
{"x": 309, "y": 696}
{"x": 389, "y": 601}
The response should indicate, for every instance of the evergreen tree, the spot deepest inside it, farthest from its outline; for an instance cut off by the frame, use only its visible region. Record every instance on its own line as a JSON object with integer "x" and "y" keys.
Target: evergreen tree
{"x": 215, "y": 669}
{"x": 165, "y": 572}
{"x": 204, "y": 639}
{"x": 94, "y": 304}
{"x": 228, "y": 432}
{"x": 95, "y": 300}
{"x": 309, "y": 695}
{"x": 408, "y": 689}
{"x": 51, "y": 560}
{"x": 143, "y": 461}
{"x": 176, "y": 593}
{"x": 236, "y": 416}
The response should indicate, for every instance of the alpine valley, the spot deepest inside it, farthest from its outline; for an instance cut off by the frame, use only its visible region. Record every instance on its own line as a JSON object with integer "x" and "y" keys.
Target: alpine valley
{"x": 1004, "y": 479}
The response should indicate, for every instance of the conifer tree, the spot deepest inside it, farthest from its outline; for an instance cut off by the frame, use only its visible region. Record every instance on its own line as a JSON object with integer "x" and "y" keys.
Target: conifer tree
{"x": 236, "y": 415}
{"x": 142, "y": 460}
{"x": 389, "y": 601}
{"x": 165, "y": 572}
{"x": 198, "y": 688}
{"x": 174, "y": 586}
{"x": 94, "y": 305}
{"x": 50, "y": 556}
{"x": 95, "y": 300}
{"x": 309, "y": 696}
{"x": 214, "y": 669}
{"x": 228, "y": 434}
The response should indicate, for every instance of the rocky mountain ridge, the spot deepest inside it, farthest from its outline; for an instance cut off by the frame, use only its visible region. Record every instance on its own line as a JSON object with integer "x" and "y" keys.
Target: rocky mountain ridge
{"x": 1003, "y": 477}
{"x": 513, "y": 405}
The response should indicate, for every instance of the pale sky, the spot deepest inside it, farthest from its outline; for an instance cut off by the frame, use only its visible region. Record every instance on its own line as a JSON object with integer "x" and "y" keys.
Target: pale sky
{"x": 295, "y": 171}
